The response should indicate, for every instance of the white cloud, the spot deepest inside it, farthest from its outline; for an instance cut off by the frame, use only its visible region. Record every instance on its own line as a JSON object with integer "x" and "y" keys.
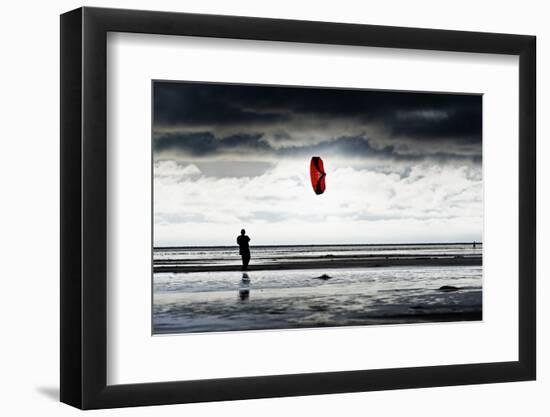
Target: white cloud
{"x": 431, "y": 203}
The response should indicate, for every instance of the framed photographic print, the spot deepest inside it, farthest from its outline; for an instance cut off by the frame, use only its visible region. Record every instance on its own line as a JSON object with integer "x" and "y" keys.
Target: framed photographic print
{"x": 258, "y": 207}
{"x": 227, "y": 156}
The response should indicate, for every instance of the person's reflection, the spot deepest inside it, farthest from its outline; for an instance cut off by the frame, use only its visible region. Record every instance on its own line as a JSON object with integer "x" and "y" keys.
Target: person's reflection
{"x": 244, "y": 290}
{"x": 244, "y": 295}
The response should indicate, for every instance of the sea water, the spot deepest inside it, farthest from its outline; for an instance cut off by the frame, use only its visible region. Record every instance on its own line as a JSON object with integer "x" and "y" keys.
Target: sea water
{"x": 229, "y": 255}
{"x": 298, "y": 298}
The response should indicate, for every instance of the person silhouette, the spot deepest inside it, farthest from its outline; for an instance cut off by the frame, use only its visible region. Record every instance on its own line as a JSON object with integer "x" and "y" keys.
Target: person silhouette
{"x": 244, "y": 249}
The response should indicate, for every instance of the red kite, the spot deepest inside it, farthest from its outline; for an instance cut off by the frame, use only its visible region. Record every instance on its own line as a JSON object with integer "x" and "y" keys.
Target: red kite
{"x": 318, "y": 175}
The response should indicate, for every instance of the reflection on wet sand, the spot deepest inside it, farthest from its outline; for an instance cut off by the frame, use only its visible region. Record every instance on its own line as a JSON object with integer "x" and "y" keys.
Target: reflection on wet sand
{"x": 244, "y": 290}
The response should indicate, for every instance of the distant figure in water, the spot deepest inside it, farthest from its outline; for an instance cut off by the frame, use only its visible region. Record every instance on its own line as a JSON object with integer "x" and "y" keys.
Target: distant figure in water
{"x": 474, "y": 244}
{"x": 244, "y": 250}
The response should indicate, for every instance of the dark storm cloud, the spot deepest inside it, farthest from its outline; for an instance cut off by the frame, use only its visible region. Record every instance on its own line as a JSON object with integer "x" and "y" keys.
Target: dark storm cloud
{"x": 462, "y": 123}
{"x": 200, "y": 104}
{"x": 204, "y": 144}
{"x": 420, "y": 118}
{"x": 360, "y": 146}
{"x": 345, "y": 145}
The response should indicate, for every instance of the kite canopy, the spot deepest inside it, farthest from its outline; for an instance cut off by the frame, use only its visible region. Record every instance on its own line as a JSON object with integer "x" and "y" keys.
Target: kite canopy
{"x": 318, "y": 175}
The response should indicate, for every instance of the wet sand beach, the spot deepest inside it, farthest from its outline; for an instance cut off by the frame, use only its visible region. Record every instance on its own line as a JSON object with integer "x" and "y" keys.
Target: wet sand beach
{"x": 291, "y": 299}
{"x": 203, "y": 289}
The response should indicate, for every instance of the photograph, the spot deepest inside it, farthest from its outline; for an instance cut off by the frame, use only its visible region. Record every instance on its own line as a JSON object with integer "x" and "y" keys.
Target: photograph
{"x": 285, "y": 207}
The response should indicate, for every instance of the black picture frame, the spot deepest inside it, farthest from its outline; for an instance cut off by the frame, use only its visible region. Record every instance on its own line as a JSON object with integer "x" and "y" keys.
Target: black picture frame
{"x": 84, "y": 207}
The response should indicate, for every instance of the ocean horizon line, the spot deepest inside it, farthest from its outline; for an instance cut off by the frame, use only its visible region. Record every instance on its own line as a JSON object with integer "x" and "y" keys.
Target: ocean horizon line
{"x": 319, "y": 245}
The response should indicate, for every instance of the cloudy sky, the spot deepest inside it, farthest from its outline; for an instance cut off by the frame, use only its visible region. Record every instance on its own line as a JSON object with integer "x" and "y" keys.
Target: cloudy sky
{"x": 401, "y": 167}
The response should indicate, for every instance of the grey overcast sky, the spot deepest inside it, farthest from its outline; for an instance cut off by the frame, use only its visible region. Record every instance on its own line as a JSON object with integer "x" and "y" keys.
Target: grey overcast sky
{"x": 401, "y": 166}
